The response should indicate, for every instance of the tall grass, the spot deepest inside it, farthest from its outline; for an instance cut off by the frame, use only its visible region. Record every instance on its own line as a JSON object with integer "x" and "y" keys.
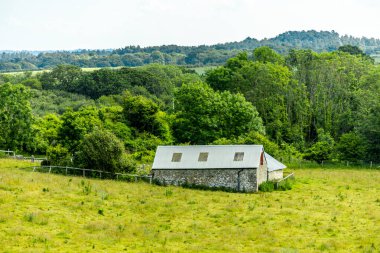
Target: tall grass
{"x": 299, "y": 164}
{"x": 334, "y": 210}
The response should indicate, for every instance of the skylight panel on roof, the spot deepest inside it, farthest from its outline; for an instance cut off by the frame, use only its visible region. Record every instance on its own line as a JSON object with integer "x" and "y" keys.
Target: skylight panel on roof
{"x": 176, "y": 157}
{"x": 239, "y": 156}
{"x": 203, "y": 156}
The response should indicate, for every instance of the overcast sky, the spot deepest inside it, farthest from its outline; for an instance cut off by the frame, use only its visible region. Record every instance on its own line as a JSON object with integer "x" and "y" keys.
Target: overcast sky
{"x": 101, "y": 24}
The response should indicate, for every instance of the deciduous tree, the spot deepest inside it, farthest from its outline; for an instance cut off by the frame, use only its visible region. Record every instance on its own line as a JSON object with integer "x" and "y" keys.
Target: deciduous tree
{"x": 15, "y": 116}
{"x": 203, "y": 115}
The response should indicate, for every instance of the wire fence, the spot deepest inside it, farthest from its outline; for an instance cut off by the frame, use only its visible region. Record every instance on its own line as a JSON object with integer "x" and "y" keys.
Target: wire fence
{"x": 300, "y": 163}
{"x": 73, "y": 171}
{"x": 12, "y": 154}
{"x": 8, "y": 152}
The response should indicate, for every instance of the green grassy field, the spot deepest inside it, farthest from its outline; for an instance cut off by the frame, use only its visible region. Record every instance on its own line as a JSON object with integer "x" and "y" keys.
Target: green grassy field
{"x": 328, "y": 210}
{"x": 203, "y": 70}
{"x": 35, "y": 72}
{"x": 376, "y": 57}
{"x": 198, "y": 70}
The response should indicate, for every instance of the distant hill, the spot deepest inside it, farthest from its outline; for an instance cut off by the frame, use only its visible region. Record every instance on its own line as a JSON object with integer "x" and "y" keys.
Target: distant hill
{"x": 321, "y": 41}
{"x": 202, "y": 55}
{"x": 314, "y": 40}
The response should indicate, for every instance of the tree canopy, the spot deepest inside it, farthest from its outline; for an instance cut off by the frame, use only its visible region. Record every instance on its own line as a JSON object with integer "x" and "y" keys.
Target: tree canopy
{"x": 305, "y": 104}
{"x": 204, "y": 115}
{"x": 15, "y": 116}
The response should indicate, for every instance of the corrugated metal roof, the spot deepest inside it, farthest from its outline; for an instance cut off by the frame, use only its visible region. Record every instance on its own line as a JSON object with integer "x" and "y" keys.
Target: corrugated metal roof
{"x": 219, "y": 157}
{"x": 273, "y": 164}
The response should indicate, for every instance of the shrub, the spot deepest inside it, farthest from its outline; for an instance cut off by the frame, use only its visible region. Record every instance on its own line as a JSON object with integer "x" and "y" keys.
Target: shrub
{"x": 158, "y": 182}
{"x": 102, "y": 150}
{"x": 127, "y": 164}
{"x": 285, "y": 185}
{"x": 58, "y": 155}
{"x": 45, "y": 163}
{"x": 208, "y": 188}
{"x": 33, "y": 83}
{"x": 267, "y": 186}
{"x": 320, "y": 151}
{"x": 351, "y": 147}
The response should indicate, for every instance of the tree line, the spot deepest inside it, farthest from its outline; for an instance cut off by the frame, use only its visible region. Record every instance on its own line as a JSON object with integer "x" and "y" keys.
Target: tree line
{"x": 203, "y": 55}
{"x": 316, "y": 106}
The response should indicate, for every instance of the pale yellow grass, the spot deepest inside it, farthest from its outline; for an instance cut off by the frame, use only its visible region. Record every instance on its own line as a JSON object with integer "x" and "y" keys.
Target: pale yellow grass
{"x": 335, "y": 210}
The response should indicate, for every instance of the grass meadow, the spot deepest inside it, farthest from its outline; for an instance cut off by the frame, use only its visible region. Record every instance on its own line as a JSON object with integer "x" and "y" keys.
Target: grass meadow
{"x": 203, "y": 70}
{"x": 328, "y": 210}
{"x": 376, "y": 57}
{"x": 35, "y": 72}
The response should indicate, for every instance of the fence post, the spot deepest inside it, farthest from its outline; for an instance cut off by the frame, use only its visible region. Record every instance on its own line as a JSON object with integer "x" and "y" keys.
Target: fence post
{"x": 92, "y": 173}
{"x": 371, "y": 165}
{"x": 322, "y": 163}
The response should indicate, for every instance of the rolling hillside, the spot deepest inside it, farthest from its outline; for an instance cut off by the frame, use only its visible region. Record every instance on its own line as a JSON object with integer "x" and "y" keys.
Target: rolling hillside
{"x": 200, "y": 55}
{"x": 328, "y": 210}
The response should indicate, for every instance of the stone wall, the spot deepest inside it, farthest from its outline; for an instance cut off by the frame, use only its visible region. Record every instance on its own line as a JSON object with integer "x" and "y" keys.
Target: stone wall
{"x": 210, "y": 177}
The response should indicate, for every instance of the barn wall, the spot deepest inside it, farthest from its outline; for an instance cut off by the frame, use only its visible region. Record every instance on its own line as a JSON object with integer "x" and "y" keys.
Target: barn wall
{"x": 210, "y": 177}
{"x": 263, "y": 170}
{"x": 276, "y": 174}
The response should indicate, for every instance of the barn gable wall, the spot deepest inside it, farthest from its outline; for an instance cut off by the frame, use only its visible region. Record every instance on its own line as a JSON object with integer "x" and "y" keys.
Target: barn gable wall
{"x": 210, "y": 177}
{"x": 262, "y": 175}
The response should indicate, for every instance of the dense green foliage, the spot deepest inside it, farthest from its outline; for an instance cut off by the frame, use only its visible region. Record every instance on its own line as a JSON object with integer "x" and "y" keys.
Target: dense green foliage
{"x": 267, "y": 186}
{"x": 351, "y": 147}
{"x": 154, "y": 81}
{"x": 202, "y": 55}
{"x": 280, "y": 101}
{"x": 316, "y": 106}
{"x": 102, "y": 150}
{"x": 58, "y": 155}
{"x": 15, "y": 116}
{"x": 203, "y": 115}
{"x": 44, "y": 133}
{"x": 336, "y": 92}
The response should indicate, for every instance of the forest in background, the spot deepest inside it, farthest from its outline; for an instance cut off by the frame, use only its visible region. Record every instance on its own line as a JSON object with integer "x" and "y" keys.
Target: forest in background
{"x": 203, "y": 55}
{"x": 305, "y": 105}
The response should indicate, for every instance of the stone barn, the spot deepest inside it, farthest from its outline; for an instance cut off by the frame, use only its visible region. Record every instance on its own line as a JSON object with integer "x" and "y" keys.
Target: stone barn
{"x": 238, "y": 167}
